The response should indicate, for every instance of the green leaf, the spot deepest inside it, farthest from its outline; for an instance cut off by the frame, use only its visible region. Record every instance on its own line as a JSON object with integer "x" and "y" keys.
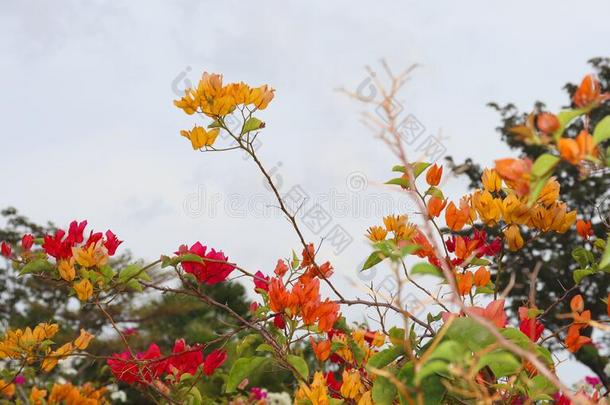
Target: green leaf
{"x": 579, "y": 274}
{"x": 299, "y": 364}
{"x": 357, "y": 351}
{"x": 565, "y": 117}
{"x": 602, "y": 130}
{"x": 252, "y": 124}
{"x": 129, "y": 272}
{"x": 418, "y": 168}
{"x": 429, "y": 368}
{"x": 386, "y": 356}
{"x": 36, "y": 266}
{"x": 605, "y": 260}
{"x": 399, "y": 181}
{"x": 242, "y": 369}
{"x": 187, "y": 257}
{"x": 582, "y": 256}
{"x": 383, "y": 391}
{"x": 373, "y": 259}
{"x": 470, "y": 334}
{"x": 536, "y": 185}
{"x": 544, "y": 164}
{"x": 435, "y": 192}
{"x": 426, "y": 268}
{"x": 246, "y": 343}
{"x": 134, "y": 285}
{"x": 264, "y": 347}
{"x": 477, "y": 261}
{"x": 501, "y": 362}
{"x": 448, "y": 350}
{"x": 107, "y": 272}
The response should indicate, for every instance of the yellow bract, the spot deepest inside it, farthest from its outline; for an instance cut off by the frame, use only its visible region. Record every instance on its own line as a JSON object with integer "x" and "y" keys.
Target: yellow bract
{"x": 94, "y": 255}
{"x": 84, "y": 289}
{"x": 199, "y": 137}
{"x": 66, "y": 269}
{"x": 352, "y": 387}
{"x": 316, "y": 392}
{"x": 215, "y": 100}
{"x": 20, "y": 342}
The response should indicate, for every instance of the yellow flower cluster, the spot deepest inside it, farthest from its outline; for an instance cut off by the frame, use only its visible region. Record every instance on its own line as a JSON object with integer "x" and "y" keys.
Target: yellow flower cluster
{"x": 397, "y": 225}
{"x": 20, "y": 343}
{"x": 69, "y": 394}
{"x": 546, "y": 214}
{"x": 316, "y": 392}
{"x": 216, "y": 100}
{"x": 29, "y": 344}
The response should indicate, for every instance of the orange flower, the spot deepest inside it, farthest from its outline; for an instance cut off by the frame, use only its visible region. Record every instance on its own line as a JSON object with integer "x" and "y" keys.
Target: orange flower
{"x": 574, "y": 341}
{"x": 8, "y": 390}
{"x": 584, "y": 229}
{"x": 377, "y": 233}
{"x": 280, "y": 268}
{"x": 456, "y": 218}
{"x": 491, "y": 180}
{"x": 433, "y": 176}
{"x": 465, "y": 250}
{"x": 488, "y": 207}
{"x": 435, "y": 206}
{"x": 577, "y": 304}
{"x": 547, "y": 122}
{"x": 320, "y": 349}
{"x": 308, "y": 255}
{"x": 482, "y": 277}
{"x": 516, "y": 173}
{"x": 568, "y": 149}
{"x": 513, "y": 237}
{"x": 37, "y": 396}
{"x": 464, "y": 282}
{"x": 589, "y": 92}
{"x": 279, "y": 298}
{"x": 327, "y": 314}
{"x": 494, "y": 312}
{"x": 575, "y": 150}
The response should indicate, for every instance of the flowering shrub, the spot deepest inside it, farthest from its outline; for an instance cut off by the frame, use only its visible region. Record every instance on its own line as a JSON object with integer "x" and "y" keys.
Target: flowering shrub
{"x": 467, "y": 349}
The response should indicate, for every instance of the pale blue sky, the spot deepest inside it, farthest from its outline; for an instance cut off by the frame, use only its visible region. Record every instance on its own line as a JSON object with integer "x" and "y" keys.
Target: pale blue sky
{"x": 88, "y": 129}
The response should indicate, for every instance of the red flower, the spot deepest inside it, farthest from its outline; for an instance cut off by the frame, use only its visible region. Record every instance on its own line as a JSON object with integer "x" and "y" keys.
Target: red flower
{"x": 94, "y": 238}
{"x": 5, "y": 249}
{"x": 278, "y": 321}
{"x": 27, "y": 241}
{"x": 75, "y": 232}
{"x": 333, "y": 384}
{"x": 280, "y": 268}
{"x": 213, "y": 361}
{"x": 125, "y": 369}
{"x": 56, "y": 246}
{"x": 112, "y": 242}
{"x": 532, "y": 328}
{"x": 184, "y": 359}
{"x": 208, "y": 272}
{"x": 261, "y": 281}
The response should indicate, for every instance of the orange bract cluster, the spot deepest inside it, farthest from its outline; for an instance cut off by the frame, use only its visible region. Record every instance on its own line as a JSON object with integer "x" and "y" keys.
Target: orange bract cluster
{"x": 581, "y": 318}
{"x": 303, "y": 300}
{"x": 69, "y": 394}
{"x": 494, "y": 204}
